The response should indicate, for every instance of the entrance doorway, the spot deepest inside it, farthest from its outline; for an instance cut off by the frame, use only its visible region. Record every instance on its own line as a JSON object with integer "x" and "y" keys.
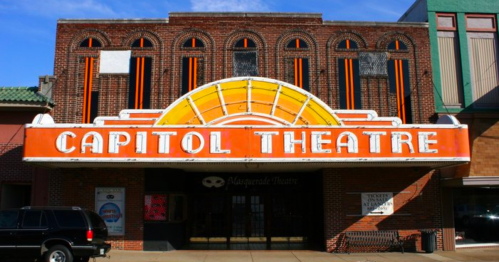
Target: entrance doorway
{"x": 256, "y": 217}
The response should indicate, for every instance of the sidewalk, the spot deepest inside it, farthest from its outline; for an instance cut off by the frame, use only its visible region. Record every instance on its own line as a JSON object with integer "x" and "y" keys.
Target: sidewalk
{"x": 489, "y": 254}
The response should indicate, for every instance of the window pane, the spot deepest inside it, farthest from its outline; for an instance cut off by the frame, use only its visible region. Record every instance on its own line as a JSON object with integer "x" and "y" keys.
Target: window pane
{"x": 450, "y": 69}
{"x": 484, "y": 69}
{"x": 142, "y": 42}
{"x": 192, "y": 73}
{"x": 139, "y": 96}
{"x": 481, "y": 22}
{"x": 69, "y": 218}
{"x": 8, "y": 219}
{"x": 245, "y": 43}
{"x": 446, "y": 21}
{"x": 245, "y": 64}
{"x": 298, "y": 72}
{"x": 349, "y": 81}
{"x": 32, "y": 219}
{"x": 400, "y": 89}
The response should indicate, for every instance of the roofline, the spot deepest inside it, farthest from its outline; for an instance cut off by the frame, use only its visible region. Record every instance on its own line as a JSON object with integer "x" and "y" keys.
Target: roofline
{"x": 391, "y": 24}
{"x": 245, "y": 14}
{"x": 114, "y": 21}
{"x": 19, "y": 106}
{"x": 411, "y": 8}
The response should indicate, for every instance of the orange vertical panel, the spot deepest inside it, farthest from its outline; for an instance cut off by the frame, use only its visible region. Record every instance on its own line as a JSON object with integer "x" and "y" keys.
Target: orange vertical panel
{"x": 352, "y": 97}
{"x": 142, "y": 82}
{"x": 347, "y": 83}
{"x": 301, "y": 73}
{"x": 195, "y": 73}
{"x": 89, "y": 42}
{"x": 297, "y": 43}
{"x": 296, "y": 72}
{"x": 398, "y": 87}
{"x": 85, "y": 91}
{"x": 190, "y": 74}
{"x": 348, "y": 43}
{"x": 141, "y": 42}
{"x": 402, "y": 96}
{"x": 90, "y": 88}
{"x": 137, "y": 81}
{"x": 193, "y": 42}
{"x": 245, "y": 42}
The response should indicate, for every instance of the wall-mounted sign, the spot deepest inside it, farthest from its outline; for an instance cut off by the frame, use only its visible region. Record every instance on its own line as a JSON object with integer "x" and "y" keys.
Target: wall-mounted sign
{"x": 155, "y": 207}
{"x": 110, "y": 205}
{"x": 224, "y": 122}
{"x": 377, "y": 204}
{"x": 248, "y": 182}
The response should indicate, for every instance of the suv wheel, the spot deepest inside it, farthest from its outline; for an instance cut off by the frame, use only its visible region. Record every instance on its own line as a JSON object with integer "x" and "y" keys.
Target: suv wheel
{"x": 59, "y": 253}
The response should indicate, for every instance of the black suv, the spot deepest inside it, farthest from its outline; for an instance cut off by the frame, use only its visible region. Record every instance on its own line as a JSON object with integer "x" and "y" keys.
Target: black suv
{"x": 54, "y": 234}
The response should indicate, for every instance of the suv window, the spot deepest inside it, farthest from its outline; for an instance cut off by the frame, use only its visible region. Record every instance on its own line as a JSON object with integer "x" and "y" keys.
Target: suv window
{"x": 69, "y": 218}
{"x": 34, "y": 219}
{"x": 96, "y": 220}
{"x": 8, "y": 219}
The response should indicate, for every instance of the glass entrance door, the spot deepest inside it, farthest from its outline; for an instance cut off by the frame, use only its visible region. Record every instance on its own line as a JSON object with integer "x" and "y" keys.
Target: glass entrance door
{"x": 210, "y": 223}
{"x": 248, "y": 222}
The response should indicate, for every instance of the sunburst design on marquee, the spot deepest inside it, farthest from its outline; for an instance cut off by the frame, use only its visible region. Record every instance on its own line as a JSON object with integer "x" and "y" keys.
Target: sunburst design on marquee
{"x": 247, "y": 101}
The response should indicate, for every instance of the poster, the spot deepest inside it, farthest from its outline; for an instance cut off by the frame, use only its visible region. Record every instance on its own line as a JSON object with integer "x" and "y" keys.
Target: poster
{"x": 155, "y": 207}
{"x": 377, "y": 204}
{"x": 110, "y": 205}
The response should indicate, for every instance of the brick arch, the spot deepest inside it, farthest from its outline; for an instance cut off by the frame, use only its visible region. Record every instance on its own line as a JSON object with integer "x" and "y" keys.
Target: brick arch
{"x": 261, "y": 46}
{"x": 313, "y": 52}
{"x": 332, "y": 52}
{"x": 387, "y": 38}
{"x": 151, "y": 36}
{"x": 176, "y": 50}
{"x": 339, "y": 36}
{"x": 202, "y": 35}
{"x": 94, "y": 33}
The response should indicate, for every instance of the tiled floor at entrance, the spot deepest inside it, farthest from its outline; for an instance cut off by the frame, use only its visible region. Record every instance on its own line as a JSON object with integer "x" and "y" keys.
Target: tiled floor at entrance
{"x": 297, "y": 256}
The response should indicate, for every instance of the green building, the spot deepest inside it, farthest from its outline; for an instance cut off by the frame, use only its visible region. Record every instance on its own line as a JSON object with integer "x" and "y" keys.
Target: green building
{"x": 464, "y": 49}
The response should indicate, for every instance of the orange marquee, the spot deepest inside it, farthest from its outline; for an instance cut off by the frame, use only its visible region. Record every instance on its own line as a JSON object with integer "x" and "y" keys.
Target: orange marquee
{"x": 244, "y": 120}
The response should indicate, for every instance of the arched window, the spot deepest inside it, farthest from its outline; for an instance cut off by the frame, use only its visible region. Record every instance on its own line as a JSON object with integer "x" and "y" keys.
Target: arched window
{"x": 297, "y": 43}
{"x": 245, "y": 43}
{"x": 142, "y": 42}
{"x": 193, "y": 43}
{"x": 90, "y": 42}
{"x": 245, "y": 58}
{"x": 349, "y": 77}
{"x": 348, "y": 44}
{"x": 397, "y": 45}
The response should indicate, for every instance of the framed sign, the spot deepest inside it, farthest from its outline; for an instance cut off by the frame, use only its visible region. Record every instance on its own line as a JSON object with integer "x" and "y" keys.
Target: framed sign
{"x": 110, "y": 205}
{"x": 155, "y": 207}
{"x": 377, "y": 203}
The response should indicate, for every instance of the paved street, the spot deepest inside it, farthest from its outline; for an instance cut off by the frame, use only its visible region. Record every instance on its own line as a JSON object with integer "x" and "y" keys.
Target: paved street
{"x": 490, "y": 254}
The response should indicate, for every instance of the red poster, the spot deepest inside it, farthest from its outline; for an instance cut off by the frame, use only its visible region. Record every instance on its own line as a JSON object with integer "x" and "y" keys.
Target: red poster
{"x": 155, "y": 207}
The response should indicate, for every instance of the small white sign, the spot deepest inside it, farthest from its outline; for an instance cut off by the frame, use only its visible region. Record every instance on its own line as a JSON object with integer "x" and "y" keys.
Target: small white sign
{"x": 110, "y": 205}
{"x": 377, "y": 204}
{"x": 115, "y": 62}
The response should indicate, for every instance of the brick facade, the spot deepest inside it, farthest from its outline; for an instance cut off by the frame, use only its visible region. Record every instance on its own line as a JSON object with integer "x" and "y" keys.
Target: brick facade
{"x": 219, "y": 33}
{"x": 416, "y": 190}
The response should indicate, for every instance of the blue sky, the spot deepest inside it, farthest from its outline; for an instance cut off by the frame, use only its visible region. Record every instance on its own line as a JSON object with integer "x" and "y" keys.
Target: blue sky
{"x": 28, "y": 27}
